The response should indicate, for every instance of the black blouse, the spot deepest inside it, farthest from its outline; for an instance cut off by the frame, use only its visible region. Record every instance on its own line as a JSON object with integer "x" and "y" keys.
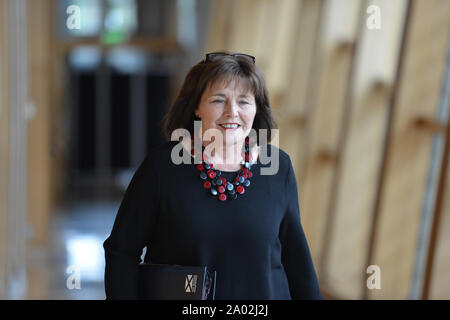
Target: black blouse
{"x": 255, "y": 243}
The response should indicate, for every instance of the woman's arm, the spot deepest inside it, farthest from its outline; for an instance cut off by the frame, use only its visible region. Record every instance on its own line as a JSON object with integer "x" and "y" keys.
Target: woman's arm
{"x": 296, "y": 257}
{"x": 131, "y": 231}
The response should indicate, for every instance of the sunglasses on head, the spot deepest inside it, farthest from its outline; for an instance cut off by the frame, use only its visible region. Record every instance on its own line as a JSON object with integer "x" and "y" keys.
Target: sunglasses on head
{"x": 213, "y": 55}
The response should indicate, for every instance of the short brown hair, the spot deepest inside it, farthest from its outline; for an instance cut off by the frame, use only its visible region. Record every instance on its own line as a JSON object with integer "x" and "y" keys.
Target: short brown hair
{"x": 181, "y": 114}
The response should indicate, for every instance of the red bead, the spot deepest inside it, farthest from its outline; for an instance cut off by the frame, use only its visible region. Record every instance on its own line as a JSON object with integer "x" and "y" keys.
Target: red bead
{"x": 207, "y": 185}
{"x": 200, "y": 167}
{"x": 240, "y": 189}
{"x": 222, "y": 197}
{"x": 211, "y": 174}
{"x": 224, "y": 181}
{"x": 221, "y": 189}
{"x": 246, "y": 158}
{"x": 211, "y": 165}
{"x": 249, "y": 174}
{"x": 245, "y": 175}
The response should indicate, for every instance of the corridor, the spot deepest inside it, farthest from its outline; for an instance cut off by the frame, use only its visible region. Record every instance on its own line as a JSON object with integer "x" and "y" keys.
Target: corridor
{"x": 74, "y": 246}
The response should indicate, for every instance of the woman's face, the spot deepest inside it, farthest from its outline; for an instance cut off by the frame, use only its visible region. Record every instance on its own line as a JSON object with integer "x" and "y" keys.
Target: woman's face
{"x": 227, "y": 102}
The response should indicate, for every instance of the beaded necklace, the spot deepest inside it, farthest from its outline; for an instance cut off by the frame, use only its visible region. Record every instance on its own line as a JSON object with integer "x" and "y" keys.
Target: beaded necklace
{"x": 217, "y": 185}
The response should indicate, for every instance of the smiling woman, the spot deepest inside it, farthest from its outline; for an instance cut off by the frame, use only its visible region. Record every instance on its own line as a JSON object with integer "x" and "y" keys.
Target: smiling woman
{"x": 219, "y": 81}
{"x": 229, "y": 216}
{"x": 225, "y": 106}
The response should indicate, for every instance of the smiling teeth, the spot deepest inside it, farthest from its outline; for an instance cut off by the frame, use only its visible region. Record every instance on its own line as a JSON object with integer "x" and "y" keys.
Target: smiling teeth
{"x": 230, "y": 126}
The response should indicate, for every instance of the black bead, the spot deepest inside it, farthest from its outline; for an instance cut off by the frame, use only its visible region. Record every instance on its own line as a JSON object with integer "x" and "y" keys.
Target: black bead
{"x": 234, "y": 196}
{"x": 236, "y": 183}
{"x": 203, "y": 175}
{"x": 230, "y": 186}
{"x": 207, "y": 166}
{"x": 246, "y": 183}
{"x": 214, "y": 191}
{"x": 218, "y": 173}
{"x": 241, "y": 179}
{"x": 231, "y": 192}
{"x": 218, "y": 181}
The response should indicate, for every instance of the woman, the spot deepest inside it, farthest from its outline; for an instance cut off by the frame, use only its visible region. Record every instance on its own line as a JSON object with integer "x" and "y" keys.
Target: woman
{"x": 219, "y": 210}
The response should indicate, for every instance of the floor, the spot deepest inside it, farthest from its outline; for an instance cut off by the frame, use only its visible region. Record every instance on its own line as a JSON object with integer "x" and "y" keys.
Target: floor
{"x": 71, "y": 265}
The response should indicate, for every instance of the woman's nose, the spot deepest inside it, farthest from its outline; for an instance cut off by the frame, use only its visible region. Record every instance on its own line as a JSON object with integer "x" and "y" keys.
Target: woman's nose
{"x": 231, "y": 108}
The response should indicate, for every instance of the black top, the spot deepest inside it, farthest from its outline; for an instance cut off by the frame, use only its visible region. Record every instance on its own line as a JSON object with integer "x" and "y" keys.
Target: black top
{"x": 255, "y": 243}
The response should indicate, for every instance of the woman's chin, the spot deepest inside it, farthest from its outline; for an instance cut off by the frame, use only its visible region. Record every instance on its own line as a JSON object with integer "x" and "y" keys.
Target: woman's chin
{"x": 238, "y": 141}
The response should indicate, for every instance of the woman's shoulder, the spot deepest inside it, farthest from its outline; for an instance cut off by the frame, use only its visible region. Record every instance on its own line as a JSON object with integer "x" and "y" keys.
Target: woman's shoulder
{"x": 271, "y": 149}
{"x": 157, "y": 156}
{"x": 275, "y": 160}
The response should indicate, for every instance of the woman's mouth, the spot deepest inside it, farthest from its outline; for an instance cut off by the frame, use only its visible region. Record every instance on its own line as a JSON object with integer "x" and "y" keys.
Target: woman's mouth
{"x": 230, "y": 126}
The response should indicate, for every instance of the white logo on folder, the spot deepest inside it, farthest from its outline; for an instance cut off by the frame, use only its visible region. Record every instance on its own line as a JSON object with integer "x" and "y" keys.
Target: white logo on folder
{"x": 191, "y": 283}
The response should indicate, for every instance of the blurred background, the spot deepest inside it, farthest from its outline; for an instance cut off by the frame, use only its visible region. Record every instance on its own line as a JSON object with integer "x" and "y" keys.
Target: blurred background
{"x": 360, "y": 90}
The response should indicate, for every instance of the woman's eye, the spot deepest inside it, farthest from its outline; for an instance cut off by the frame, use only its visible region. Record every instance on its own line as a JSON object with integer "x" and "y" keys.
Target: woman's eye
{"x": 244, "y": 102}
{"x": 218, "y": 101}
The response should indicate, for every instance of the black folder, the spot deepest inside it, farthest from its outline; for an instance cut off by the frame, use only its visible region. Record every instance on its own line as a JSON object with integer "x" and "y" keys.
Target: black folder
{"x": 175, "y": 282}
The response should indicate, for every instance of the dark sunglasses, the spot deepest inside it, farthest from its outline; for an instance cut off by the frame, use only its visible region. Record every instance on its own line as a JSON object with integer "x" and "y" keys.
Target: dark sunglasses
{"x": 213, "y": 55}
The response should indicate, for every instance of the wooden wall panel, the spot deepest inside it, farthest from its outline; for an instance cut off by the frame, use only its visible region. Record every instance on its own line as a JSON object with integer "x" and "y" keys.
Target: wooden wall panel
{"x": 302, "y": 82}
{"x": 4, "y": 146}
{"x": 263, "y": 28}
{"x": 321, "y": 147}
{"x": 409, "y": 149}
{"x": 362, "y": 152}
{"x": 279, "y": 60}
{"x": 39, "y": 160}
{"x": 219, "y": 26}
{"x": 324, "y": 118}
{"x": 256, "y": 34}
{"x": 440, "y": 279}
{"x": 17, "y": 175}
{"x": 236, "y": 26}
{"x": 331, "y": 82}
{"x": 247, "y": 19}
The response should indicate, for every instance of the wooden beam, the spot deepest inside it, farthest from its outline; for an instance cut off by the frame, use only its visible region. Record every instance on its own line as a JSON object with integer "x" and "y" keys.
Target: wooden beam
{"x": 4, "y": 146}
{"x": 303, "y": 80}
{"x": 361, "y": 146}
{"x": 403, "y": 184}
{"x": 438, "y": 258}
{"x": 438, "y": 212}
{"x": 429, "y": 124}
{"x": 326, "y": 111}
{"x": 437, "y": 276}
{"x": 39, "y": 130}
{"x": 219, "y": 27}
{"x": 17, "y": 175}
